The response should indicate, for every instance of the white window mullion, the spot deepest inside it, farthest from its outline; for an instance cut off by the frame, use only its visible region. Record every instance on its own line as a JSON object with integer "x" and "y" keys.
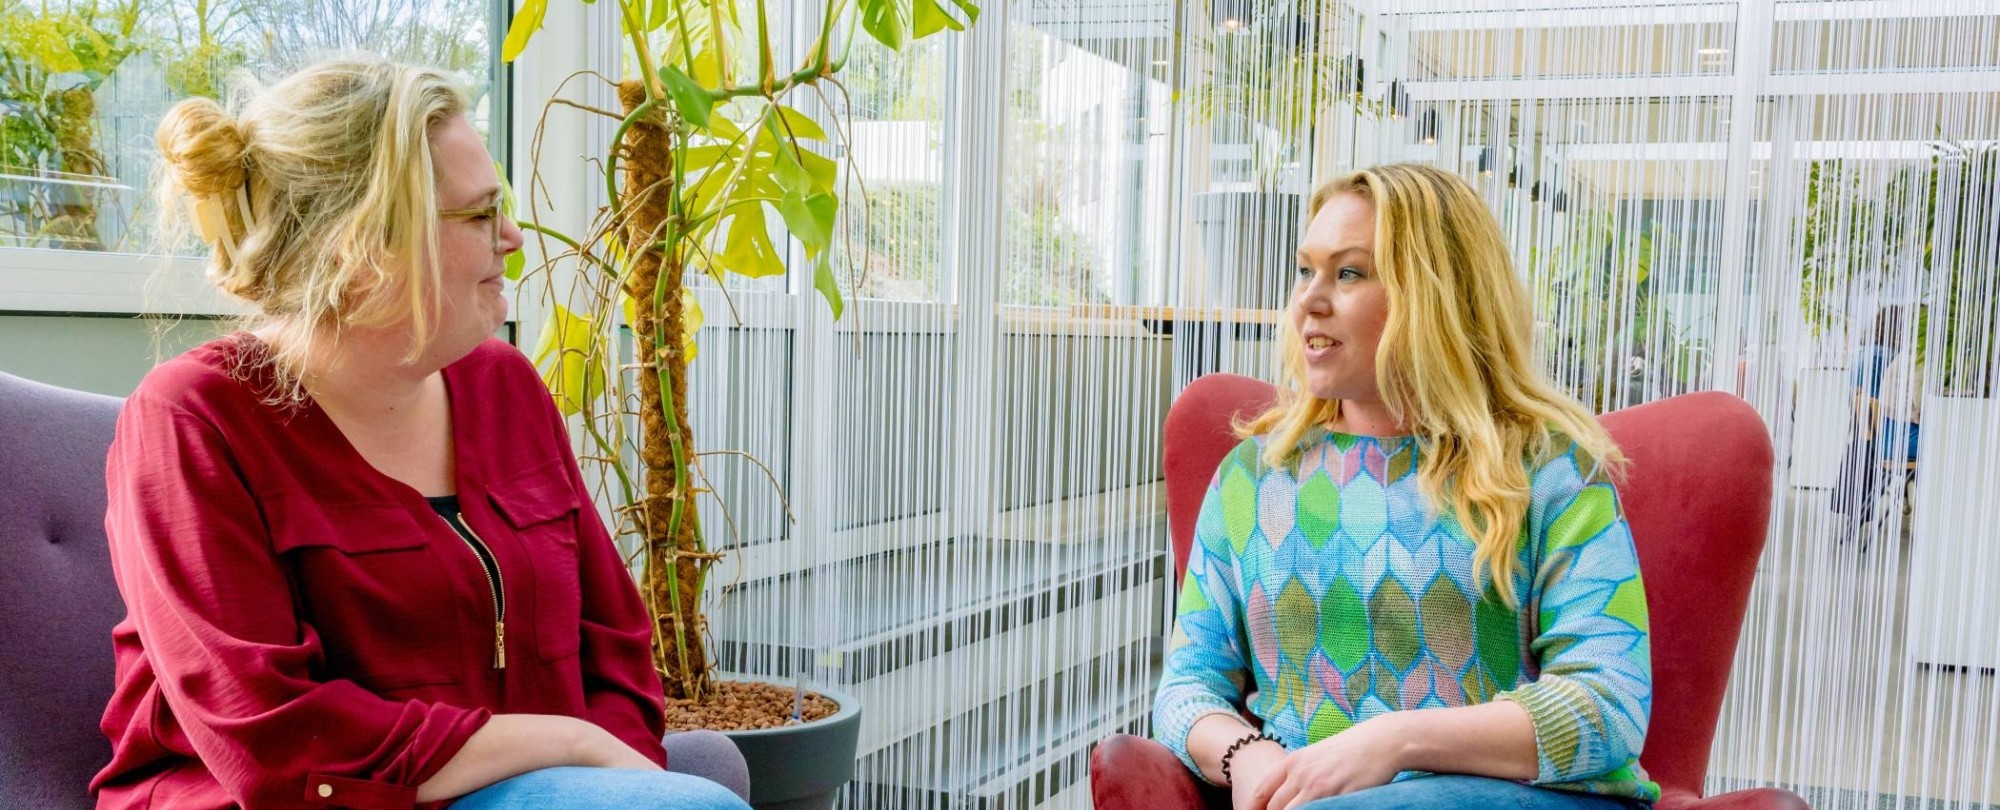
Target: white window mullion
{"x": 976, "y": 121}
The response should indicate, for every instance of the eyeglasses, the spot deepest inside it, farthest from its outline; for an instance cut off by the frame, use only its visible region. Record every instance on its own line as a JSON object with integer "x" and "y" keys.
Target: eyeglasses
{"x": 493, "y": 212}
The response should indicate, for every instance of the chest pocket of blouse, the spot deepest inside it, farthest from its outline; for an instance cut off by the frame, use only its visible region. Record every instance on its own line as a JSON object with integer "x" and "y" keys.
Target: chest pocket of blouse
{"x": 542, "y": 508}
{"x": 370, "y": 583}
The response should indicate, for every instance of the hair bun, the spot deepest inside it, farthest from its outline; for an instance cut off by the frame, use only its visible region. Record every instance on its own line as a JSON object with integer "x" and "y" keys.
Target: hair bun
{"x": 204, "y": 146}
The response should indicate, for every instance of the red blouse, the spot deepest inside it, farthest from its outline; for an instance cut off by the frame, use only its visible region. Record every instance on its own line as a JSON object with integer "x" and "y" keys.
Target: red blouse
{"x": 304, "y": 631}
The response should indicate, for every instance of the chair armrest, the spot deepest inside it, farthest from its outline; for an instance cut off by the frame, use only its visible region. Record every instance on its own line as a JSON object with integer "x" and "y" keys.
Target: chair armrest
{"x": 1751, "y": 799}
{"x": 1135, "y": 773}
{"x": 710, "y": 755}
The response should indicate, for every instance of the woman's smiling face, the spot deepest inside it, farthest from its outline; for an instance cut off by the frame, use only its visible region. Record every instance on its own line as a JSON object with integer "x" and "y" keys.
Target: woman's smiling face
{"x": 1339, "y": 305}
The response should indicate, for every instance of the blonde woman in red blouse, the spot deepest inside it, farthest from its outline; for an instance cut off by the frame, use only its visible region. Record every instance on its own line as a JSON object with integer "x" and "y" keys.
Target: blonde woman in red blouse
{"x": 360, "y": 565}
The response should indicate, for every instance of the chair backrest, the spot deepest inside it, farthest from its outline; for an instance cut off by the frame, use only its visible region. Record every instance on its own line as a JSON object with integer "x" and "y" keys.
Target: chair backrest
{"x": 58, "y": 601}
{"x": 1199, "y": 432}
{"x": 1697, "y": 494}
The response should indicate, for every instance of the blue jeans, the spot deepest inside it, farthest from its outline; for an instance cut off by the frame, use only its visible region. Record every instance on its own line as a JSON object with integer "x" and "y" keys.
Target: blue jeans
{"x": 1453, "y": 791}
{"x": 601, "y": 789}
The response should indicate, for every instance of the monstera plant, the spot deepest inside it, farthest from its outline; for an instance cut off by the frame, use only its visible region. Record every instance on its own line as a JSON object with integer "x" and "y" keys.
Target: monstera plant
{"x": 709, "y": 152}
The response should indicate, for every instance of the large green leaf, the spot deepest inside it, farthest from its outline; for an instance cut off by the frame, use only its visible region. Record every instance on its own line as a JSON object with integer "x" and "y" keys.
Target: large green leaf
{"x": 930, "y": 18}
{"x": 692, "y": 319}
{"x": 749, "y": 250}
{"x": 887, "y": 21}
{"x": 751, "y": 173}
{"x": 808, "y": 204}
{"x": 693, "y": 102}
{"x": 526, "y": 22}
{"x": 699, "y": 159}
{"x": 724, "y": 129}
{"x": 810, "y": 219}
{"x": 798, "y": 125}
{"x": 789, "y": 173}
{"x": 759, "y": 185}
{"x": 822, "y": 170}
{"x": 794, "y": 166}
{"x": 517, "y": 263}
{"x": 828, "y": 286}
{"x": 571, "y": 358}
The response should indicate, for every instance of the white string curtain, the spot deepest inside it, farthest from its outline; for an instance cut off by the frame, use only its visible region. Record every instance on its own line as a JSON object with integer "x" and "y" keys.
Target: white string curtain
{"x": 1783, "y": 200}
{"x": 1054, "y": 221}
{"x": 970, "y": 539}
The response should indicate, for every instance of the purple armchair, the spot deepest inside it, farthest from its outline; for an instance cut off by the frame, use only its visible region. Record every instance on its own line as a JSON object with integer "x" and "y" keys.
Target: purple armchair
{"x": 57, "y": 601}
{"x": 1698, "y": 509}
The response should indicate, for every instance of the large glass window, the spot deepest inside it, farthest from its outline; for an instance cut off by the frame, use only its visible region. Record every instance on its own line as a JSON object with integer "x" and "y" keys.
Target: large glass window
{"x": 1085, "y": 207}
{"x": 894, "y": 106}
{"x": 83, "y": 83}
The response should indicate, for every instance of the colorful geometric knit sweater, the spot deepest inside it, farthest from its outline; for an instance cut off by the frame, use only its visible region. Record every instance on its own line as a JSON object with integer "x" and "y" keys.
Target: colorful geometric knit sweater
{"x": 1331, "y": 594}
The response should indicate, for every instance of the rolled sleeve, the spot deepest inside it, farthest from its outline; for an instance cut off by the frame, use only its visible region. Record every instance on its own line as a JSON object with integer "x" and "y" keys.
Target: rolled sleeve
{"x": 1591, "y": 700}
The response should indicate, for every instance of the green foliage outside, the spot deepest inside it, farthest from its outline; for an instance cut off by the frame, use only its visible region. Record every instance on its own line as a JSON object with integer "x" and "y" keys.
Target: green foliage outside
{"x": 52, "y": 60}
{"x": 60, "y": 180}
{"x": 1931, "y": 215}
{"x": 897, "y": 253}
{"x": 1049, "y": 263}
{"x": 1954, "y": 242}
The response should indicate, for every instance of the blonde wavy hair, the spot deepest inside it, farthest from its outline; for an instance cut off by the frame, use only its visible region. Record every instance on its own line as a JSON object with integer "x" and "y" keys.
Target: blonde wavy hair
{"x": 1455, "y": 364}
{"x": 317, "y": 198}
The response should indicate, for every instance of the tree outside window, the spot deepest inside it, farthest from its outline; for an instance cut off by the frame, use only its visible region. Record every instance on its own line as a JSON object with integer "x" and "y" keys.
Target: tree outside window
{"x": 84, "y": 82}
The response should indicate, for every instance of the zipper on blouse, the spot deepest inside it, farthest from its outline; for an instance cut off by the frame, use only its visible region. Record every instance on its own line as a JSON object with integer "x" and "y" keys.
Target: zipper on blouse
{"x": 494, "y": 584}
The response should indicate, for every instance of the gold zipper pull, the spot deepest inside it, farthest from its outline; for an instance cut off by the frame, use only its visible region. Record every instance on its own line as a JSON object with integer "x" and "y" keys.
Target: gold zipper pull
{"x": 499, "y": 645}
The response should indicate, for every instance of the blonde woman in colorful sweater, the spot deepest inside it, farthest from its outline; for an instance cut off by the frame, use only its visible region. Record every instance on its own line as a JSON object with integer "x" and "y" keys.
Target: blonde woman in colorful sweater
{"x": 1412, "y": 585}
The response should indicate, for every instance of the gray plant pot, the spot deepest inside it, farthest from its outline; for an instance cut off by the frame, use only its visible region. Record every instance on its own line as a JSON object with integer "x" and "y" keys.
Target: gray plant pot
{"x": 802, "y": 767}
{"x": 1251, "y": 241}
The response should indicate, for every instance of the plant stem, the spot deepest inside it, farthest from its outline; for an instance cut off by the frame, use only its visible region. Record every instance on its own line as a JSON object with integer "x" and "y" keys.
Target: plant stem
{"x": 551, "y": 233}
{"x": 764, "y": 76}
{"x": 803, "y": 76}
{"x": 720, "y": 41}
{"x": 641, "y": 51}
{"x": 611, "y": 158}
{"x": 687, "y": 38}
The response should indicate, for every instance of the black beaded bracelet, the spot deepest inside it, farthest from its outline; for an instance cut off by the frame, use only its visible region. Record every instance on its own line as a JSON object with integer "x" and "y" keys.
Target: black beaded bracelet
{"x": 1235, "y": 746}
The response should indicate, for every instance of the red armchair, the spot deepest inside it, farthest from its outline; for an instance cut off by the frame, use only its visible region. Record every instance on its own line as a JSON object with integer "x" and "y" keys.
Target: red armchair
{"x": 1698, "y": 496}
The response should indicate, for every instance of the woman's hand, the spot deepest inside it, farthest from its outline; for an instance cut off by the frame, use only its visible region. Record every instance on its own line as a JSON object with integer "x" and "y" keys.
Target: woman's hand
{"x": 1362, "y": 757}
{"x": 597, "y": 748}
{"x": 1248, "y": 768}
{"x": 513, "y": 744}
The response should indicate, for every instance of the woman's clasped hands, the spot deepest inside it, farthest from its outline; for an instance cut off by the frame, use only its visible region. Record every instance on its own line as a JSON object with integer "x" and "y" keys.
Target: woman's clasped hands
{"x": 1267, "y": 777}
